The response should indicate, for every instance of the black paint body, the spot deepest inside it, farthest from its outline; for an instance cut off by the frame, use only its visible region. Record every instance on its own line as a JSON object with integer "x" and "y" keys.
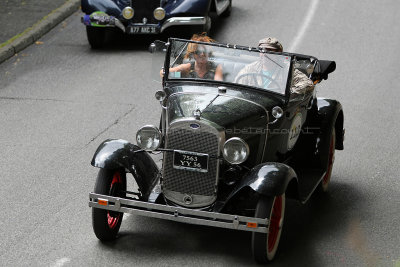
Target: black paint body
{"x": 274, "y": 166}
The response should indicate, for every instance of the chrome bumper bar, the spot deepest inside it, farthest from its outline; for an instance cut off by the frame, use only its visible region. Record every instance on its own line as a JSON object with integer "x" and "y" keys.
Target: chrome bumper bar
{"x": 178, "y": 214}
{"x": 182, "y": 21}
{"x": 109, "y": 21}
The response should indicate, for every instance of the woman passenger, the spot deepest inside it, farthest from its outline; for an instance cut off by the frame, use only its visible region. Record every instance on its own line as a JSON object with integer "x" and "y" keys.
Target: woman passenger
{"x": 201, "y": 67}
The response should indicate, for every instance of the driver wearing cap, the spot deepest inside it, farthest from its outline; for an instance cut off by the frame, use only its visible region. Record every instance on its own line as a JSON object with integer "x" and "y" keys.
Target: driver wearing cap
{"x": 269, "y": 70}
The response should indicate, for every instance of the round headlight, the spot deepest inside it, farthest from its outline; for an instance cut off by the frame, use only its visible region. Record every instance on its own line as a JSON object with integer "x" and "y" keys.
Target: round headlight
{"x": 159, "y": 13}
{"x": 148, "y": 137}
{"x": 236, "y": 151}
{"x": 128, "y": 12}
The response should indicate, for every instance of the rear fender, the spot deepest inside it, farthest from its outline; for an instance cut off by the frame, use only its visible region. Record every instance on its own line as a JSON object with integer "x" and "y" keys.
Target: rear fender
{"x": 329, "y": 115}
{"x": 313, "y": 147}
{"x": 118, "y": 153}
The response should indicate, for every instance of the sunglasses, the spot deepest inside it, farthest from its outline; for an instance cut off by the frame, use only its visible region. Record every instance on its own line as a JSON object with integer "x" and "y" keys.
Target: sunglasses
{"x": 201, "y": 51}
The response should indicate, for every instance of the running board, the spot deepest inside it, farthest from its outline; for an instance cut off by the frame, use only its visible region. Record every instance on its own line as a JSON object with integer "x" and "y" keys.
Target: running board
{"x": 178, "y": 214}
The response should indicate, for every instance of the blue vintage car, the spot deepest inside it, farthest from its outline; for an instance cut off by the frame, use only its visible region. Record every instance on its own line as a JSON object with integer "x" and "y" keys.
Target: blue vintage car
{"x": 148, "y": 16}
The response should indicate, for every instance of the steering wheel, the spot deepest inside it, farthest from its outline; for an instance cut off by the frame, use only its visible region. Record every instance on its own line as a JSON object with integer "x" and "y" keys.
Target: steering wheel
{"x": 263, "y": 76}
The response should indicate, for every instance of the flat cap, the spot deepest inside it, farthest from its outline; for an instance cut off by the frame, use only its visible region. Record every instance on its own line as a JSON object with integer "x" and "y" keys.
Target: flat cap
{"x": 270, "y": 43}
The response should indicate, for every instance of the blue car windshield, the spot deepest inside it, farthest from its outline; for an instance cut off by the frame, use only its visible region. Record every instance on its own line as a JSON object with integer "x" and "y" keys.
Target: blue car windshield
{"x": 199, "y": 61}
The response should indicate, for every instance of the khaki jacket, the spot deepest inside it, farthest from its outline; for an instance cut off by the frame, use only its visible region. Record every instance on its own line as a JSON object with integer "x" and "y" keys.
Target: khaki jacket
{"x": 300, "y": 82}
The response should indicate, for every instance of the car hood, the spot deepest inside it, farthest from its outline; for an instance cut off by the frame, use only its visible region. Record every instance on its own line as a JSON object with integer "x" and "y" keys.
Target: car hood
{"x": 224, "y": 110}
{"x": 238, "y": 116}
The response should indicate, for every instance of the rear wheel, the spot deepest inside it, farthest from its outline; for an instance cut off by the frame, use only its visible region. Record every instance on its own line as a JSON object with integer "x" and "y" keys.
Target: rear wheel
{"x": 323, "y": 186}
{"x": 264, "y": 246}
{"x": 96, "y": 36}
{"x": 106, "y": 223}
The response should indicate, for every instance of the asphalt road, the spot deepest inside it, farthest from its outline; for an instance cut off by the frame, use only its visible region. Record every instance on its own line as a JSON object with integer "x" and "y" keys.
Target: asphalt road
{"x": 59, "y": 100}
{"x": 18, "y": 15}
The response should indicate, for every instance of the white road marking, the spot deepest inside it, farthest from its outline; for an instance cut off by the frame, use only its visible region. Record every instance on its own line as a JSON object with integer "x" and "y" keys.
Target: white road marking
{"x": 61, "y": 262}
{"x": 307, "y": 20}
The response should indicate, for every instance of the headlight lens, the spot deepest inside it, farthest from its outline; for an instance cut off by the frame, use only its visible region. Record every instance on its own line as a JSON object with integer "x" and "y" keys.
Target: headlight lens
{"x": 148, "y": 137}
{"x": 159, "y": 13}
{"x": 128, "y": 12}
{"x": 236, "y": 151}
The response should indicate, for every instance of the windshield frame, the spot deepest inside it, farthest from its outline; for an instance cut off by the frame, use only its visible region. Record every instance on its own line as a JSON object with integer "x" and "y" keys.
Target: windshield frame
{"x": 167, "y": 79}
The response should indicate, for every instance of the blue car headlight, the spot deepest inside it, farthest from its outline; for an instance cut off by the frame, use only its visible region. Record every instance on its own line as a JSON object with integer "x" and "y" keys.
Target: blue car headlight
{"x": 128, "y": 12}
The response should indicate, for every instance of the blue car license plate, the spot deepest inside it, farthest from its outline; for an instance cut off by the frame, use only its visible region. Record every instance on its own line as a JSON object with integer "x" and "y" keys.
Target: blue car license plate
{"x": 190, "y": 161}
{"x": 142, "y": 29}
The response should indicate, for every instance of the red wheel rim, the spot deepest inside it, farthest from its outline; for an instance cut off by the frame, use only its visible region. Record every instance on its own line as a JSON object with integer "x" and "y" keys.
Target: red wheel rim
{"x": 327, "y": 176}
{"x": 114, "y": 217}
{"x": 274, "y": 223}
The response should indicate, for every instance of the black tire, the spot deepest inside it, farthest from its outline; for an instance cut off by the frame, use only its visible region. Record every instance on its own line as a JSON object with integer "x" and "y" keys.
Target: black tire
{"x": 228, "y": 11}
{"x": 96, "y": 36}
{"x": 106, "y": 223}
{"x": 264, "y": 246}
{"x": 324, "y": 184}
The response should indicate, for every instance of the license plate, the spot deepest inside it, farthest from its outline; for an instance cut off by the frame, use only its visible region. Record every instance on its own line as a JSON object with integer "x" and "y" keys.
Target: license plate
{"x": 190, "y": 161}
{"x": 139, "y": 29}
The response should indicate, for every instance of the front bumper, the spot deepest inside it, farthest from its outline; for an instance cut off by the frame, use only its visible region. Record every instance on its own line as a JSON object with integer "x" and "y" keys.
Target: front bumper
{"x": 103, "y": 20}
{"x": 178, "y": 214}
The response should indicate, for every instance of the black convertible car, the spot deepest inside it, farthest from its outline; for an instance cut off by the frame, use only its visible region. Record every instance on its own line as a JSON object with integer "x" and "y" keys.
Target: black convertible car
{"x": 149, "y": 16}
{"x": 232, "y": 152}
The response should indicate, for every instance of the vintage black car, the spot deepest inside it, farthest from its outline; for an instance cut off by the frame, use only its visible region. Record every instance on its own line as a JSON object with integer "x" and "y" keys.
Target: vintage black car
{"x": 149, "y": 16}
{"x": 232, "y": 152}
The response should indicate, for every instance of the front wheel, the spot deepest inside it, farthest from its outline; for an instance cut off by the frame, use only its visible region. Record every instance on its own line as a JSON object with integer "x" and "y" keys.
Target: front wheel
{"x": 264, "y": 246}
{"x": 106, "y": 223}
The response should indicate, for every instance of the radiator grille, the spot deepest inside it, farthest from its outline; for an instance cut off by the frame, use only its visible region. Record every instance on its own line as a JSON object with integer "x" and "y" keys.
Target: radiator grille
{"x": 186, "y": 181}
{"x": 144, "y": 9}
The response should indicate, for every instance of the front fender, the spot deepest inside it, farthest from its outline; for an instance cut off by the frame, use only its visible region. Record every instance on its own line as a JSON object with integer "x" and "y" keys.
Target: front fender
{"x": 118, "y": 153}
{"x": 268, "y": 179}
{"x": 193, "y": 7}
{"x": 110, "y": 7}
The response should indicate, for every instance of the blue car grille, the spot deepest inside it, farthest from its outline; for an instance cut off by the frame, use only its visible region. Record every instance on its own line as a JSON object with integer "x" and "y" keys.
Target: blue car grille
{"x": 144, "y": 9}
{"x": 186, "y": 181}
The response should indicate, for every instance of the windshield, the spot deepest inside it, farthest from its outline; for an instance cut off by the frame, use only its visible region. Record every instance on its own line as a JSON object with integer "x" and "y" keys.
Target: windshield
{"x": 246, "y": 66}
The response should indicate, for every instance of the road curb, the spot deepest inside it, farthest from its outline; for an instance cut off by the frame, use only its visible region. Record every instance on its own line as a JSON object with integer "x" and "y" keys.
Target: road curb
{"x": 43, "y": 26}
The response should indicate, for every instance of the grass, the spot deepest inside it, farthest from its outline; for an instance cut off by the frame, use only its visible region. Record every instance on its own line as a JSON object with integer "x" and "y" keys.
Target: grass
{"x": 12, "y": 39}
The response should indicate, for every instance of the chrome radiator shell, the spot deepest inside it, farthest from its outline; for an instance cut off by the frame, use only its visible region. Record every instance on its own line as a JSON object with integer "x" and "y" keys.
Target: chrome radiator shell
{"x": 179, "y": 185}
